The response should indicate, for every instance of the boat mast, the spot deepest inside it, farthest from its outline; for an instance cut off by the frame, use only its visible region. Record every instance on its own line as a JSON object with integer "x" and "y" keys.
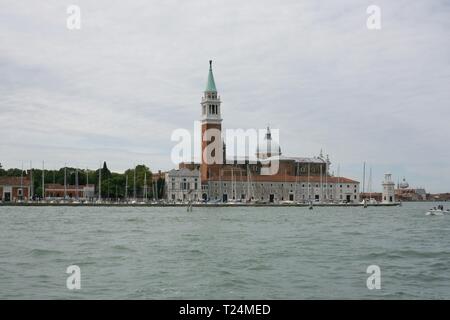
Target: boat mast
{"x": 327, "y": 195}
{"x": 21, "y": 183}
{"x": 220, "y": 184}
{"x": 31, "y": 182}
{"x": 100, "y": 183}
{"x": 364, "y": 176}
{"x": 156, "y": 189}
{"x": 248, "y": 184}
{"x": 321, "y": 183}
{"x": 309, "y": 168}
{"x": 145, "y": 186}
{"x": 65, "y": 181}
{"x": 134, "y": 183}
{"x": 338, "y": 181}
{"x": 43, "y": 181}
{"x": 232, "y": 184}
{"x": 76, "y": 183}
{"x": 126, "y": 187}
{"x": 296, "y": 182}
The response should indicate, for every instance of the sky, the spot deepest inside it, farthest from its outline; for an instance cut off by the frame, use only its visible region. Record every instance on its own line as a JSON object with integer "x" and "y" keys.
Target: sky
{"x": 117, "y": 88}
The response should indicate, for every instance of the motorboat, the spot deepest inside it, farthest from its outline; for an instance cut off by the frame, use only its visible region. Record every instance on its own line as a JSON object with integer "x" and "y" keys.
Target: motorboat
{"x": 288, "y": 202}
{"x": 437, "y": 212}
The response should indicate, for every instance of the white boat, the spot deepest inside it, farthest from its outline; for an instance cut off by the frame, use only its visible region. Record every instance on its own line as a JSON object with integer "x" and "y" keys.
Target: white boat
{"x": 436, "y": 212}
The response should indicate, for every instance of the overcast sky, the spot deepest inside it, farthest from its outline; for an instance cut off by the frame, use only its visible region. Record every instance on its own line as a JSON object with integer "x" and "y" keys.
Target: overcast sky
{"x": 116, "y": 89}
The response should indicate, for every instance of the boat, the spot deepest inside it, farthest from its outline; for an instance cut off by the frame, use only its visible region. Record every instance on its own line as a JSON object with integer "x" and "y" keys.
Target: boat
{"x": 286, "y": 202}
{"x": 437, "y": 212}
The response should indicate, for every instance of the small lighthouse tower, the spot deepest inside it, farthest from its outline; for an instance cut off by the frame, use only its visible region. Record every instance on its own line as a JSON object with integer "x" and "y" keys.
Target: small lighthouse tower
{"x": 388, "y": 189}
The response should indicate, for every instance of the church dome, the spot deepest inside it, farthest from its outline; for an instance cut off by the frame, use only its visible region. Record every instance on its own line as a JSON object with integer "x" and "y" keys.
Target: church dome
{"x": 404, "y": 184}
{"x": 268, "y": 147}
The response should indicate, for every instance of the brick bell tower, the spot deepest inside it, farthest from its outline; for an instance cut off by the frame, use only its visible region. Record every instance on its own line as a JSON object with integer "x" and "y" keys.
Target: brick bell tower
{"x": 211, "y": 119}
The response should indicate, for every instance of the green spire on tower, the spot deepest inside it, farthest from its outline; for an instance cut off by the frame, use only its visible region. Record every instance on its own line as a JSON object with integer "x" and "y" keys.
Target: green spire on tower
{"x": 210, "y": 85}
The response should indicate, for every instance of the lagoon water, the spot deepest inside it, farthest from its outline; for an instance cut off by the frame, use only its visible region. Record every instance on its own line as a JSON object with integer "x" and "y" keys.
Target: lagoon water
{"x": 224, "y": 253}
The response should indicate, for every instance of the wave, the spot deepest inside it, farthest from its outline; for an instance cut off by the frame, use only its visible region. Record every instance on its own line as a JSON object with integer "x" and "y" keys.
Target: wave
{"x": 44, "y": 252}
{"x": 408, "y": 253}
{"x": 120, "y": 247}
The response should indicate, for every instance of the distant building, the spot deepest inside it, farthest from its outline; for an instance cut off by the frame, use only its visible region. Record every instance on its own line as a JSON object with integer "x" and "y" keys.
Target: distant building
{"x": 377, "y": 196}
{"x": 297, "y": 179}
{"x": 14, "y": 189}
{"x": 183, "y": 185}
{"x": 388, "y": 189}
{"x": 410, "y": 194}
{"x": 159, "y": 175}
{"x": 58, "y": 191}
{"x": 405, "y": 193}
{"x": 439, "y": 197}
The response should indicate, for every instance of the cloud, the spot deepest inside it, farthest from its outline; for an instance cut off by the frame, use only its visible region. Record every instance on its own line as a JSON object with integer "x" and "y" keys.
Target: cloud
{"x": 116, "y": 89}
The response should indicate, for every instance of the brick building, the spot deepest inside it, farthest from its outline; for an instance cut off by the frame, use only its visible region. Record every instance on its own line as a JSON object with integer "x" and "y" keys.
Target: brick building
{"x": 14, "y": 189}
{"x": 58, "y": 191}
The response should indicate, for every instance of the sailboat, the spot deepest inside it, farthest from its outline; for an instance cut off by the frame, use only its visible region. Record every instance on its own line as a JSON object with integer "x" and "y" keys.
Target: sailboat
{"x": 369, "y": 188}
{"x": 233, "y": 200}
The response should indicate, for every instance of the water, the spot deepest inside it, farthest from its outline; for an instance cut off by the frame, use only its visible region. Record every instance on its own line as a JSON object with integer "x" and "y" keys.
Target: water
{"x": 224, "y": 253}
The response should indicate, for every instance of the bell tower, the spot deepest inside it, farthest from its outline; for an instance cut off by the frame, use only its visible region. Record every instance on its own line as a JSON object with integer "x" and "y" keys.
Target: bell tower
{"x": 211, "y": 119}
